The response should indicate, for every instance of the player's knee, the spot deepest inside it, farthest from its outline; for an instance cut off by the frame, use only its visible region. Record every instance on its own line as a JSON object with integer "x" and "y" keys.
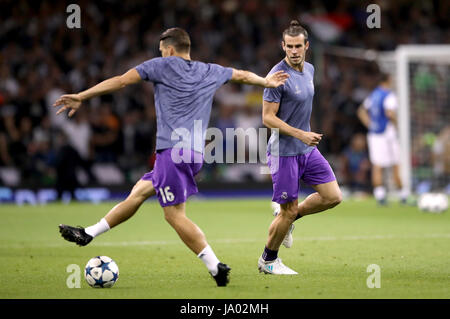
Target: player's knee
{"x": 170, "y": 218}
{"x": 173, "y": 214}
{"x": 334, "y": 199}
{"x": 136, "y": 198}
{"x": 143, "y": 190}
{"x": 289, "y": 211}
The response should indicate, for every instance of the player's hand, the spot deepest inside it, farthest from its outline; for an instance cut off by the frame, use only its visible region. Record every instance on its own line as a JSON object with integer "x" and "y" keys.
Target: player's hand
{"x": 276, "y": 79}
{"x": 310, "y": 138}
{"x": 70, "y": 102}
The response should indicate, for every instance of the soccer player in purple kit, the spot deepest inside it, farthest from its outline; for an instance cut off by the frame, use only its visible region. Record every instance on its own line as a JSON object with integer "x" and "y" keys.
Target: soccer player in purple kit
{"x": 184, "y": 92}
{"x": 292, "y": 150}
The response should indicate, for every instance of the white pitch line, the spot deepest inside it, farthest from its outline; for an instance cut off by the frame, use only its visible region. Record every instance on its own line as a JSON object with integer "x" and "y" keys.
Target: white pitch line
{"x": 234, "y": 240}
{"x": 254, "y": 240}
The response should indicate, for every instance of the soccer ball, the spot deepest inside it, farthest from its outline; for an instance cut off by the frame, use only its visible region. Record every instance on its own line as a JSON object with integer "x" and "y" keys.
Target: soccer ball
{"x": 101, "y": 272}
{"x": 433, "y": 202}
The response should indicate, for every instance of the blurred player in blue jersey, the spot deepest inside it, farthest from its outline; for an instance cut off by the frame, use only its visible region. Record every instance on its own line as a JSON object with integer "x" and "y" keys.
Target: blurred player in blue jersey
{"x": 184, "y": 92}
{"x": 378, "y": 113}
{"x": 292, "y": 150}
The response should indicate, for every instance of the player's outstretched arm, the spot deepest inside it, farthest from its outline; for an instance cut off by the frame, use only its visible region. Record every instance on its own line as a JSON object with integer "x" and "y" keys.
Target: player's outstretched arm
{"x": 271, "y": 81}
{"x": 72, "y": 102}
{"x": 271, "y": 120}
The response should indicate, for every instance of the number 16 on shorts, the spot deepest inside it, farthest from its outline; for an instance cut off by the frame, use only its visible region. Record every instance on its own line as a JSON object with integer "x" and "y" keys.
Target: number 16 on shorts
{"x": 166, "y": 194}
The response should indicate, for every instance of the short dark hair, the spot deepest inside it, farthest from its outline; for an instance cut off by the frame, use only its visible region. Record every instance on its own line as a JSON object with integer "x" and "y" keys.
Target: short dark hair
{"x": 295, "y": 29}
{"x": 384, "y": 77}
{"x": 177, "y": 37}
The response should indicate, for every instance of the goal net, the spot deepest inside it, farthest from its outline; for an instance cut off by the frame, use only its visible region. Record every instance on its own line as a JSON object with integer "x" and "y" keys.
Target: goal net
{"x": 421, "y": 75}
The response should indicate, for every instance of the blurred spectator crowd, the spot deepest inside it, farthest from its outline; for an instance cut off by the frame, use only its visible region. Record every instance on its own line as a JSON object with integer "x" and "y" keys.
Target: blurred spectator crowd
{"x": 111, "y": 139}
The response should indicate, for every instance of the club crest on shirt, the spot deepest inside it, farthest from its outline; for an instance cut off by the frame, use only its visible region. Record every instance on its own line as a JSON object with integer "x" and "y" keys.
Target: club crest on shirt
{"x": 297, "y": 89}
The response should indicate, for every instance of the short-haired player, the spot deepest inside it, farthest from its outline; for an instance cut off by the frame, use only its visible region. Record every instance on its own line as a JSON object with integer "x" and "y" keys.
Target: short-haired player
{"x": 183, "y": 91}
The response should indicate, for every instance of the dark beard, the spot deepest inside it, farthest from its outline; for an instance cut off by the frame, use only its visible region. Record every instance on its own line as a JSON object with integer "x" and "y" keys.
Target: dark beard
{"x": 296, "y": 64}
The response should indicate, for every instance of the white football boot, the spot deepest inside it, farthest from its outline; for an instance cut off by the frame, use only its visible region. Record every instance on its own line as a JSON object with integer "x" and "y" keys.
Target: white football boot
{"x": 274, "y": 267}
{"x": 288, "y": 239}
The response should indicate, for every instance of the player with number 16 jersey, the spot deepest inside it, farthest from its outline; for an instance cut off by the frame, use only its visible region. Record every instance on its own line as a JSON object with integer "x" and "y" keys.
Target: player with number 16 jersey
{"x": 184, "y": 92}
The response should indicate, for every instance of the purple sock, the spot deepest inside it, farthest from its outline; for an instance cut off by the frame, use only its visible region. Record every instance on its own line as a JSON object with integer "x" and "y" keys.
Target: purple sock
{"x": 269, "y": 255}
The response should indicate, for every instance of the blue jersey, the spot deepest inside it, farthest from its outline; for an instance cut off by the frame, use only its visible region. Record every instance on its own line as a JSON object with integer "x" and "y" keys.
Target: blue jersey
{"x": 376, "y": 105}
{"x": 295, "y": 98}
{"x": 184, "y": 93}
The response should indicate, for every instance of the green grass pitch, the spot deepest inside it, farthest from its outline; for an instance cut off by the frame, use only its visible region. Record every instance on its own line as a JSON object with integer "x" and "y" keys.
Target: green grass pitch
{"x": 331, "y": 252}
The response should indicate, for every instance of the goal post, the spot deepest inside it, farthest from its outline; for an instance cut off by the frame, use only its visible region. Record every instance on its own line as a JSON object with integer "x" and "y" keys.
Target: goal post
{"x": 421, "y": 75}
{"x": 404, "y": 56}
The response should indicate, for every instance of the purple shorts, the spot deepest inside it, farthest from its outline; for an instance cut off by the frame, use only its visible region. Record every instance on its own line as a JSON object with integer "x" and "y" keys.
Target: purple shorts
{"x": 286, "y": 172}
{"x": 173, "y": 175}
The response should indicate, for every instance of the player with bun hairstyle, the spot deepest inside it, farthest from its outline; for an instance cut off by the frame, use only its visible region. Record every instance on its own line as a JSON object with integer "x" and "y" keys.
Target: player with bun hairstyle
{"x": 292, "y": 150}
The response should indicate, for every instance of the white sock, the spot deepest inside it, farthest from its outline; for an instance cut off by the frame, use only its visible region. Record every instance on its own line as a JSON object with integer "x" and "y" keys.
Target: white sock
{"x": 97, "y": 229}
{"x": 403, "y": 194}
{"x": 276, "y": 208}
{"x": 210, "y": 260}
{"x": 379, "y": 193}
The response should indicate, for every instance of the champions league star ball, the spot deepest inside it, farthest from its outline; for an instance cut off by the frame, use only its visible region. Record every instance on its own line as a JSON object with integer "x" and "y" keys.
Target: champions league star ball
{"x": 101, "y": 272}
{"x": 433, "y": 202}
